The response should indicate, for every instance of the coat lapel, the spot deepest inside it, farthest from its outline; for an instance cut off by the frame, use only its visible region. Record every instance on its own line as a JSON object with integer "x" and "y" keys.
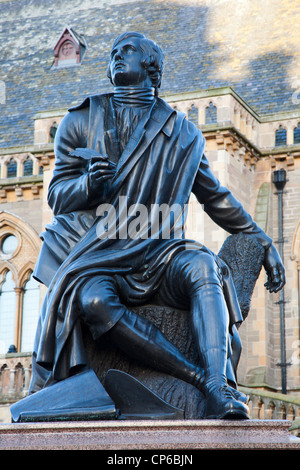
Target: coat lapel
{"x": 102, "y": 125}
{"x": 145, "y": 132}
{"x": 111, "y": 140}
{"x": 100, "y": 122}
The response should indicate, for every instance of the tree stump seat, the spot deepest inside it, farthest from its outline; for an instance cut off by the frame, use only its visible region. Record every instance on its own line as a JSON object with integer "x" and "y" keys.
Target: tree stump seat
{"x": 244, "y": 256}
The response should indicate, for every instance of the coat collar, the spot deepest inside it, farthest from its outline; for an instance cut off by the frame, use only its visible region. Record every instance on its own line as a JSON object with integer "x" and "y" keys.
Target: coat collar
{"x": 147, "y": 129}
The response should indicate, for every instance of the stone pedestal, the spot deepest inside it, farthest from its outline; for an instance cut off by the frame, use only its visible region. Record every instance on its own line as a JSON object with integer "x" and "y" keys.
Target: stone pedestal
{"x": 187, "y": 435}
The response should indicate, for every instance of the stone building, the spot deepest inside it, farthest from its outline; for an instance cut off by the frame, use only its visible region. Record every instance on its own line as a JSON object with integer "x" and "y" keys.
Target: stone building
{"x": 232, "y": 67}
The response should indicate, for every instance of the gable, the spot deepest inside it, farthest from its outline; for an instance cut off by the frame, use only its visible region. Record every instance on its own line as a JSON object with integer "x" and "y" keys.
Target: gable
{"x": 69, "y": 49}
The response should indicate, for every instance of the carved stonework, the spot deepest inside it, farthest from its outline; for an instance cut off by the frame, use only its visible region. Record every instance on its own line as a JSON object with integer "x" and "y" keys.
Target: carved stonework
{"x": 22, "y": 259}
{"x": 234, "y": 144}
{"x": 283, "y": 160}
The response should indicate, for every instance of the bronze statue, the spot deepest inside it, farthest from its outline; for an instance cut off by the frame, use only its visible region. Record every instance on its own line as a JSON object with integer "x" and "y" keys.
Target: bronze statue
{"x": 119, "y": 158}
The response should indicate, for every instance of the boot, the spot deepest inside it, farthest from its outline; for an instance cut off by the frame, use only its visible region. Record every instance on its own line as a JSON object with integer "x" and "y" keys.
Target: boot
{"x": 143, "y": 341}
{"x": 221, "y": 404}
{"x": 231, "y": 381}
{"x": 238, "y": 395}
{"x": 210, "y": 329}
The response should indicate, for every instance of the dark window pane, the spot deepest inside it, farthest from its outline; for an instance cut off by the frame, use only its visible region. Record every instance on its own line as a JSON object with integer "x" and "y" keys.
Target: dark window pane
{"x": 28, "y": 167}
{"x": 193, "y": 115}
{"x": 280, "y": 137}
{"x": 12, "y": 169}
{"x": 52, "y": 132}
{"x": 297, "y": 134}
{"x": 211, "y": 114}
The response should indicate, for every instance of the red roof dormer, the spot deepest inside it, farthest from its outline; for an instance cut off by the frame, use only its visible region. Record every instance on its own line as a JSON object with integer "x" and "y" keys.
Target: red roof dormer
{"x": 69, "y": 49}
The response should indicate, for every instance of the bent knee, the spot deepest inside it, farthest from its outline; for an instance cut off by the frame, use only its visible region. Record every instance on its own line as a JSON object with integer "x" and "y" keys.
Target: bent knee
{"x": 199, "y": 268}
{"x": 95, "y": 294}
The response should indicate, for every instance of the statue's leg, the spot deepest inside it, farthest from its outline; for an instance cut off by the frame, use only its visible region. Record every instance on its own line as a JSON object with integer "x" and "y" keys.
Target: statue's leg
{"x": 196, "y": 276}
{"x": 136, "y": 336}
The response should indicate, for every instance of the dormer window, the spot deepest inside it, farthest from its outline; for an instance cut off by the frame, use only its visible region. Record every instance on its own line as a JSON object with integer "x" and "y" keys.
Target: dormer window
{"x": 69, "y": 49}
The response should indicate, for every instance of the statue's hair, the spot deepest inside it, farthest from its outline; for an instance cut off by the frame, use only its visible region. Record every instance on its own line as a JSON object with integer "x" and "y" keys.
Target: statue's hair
{"x": 153, "y": 57}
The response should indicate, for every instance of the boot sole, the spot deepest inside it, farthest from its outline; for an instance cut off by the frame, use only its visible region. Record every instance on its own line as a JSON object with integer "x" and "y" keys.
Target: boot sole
{"x": 231, "y": 414}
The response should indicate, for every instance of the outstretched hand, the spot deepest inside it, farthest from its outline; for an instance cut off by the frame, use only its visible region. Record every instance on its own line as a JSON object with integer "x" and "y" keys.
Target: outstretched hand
{"x": 274, "y": 269}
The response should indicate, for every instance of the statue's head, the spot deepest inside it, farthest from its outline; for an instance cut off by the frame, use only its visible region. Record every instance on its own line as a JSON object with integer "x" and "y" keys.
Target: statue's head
{"x": 135, "y": 60}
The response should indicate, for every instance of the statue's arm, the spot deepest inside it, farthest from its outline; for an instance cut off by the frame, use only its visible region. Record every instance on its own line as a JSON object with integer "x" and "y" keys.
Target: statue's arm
{"x": 69, "y": 189}
{"x": 224, "y": 209}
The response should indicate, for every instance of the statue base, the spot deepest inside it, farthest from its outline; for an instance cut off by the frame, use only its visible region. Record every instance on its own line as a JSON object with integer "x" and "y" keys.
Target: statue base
{"x": 154, "y": 436}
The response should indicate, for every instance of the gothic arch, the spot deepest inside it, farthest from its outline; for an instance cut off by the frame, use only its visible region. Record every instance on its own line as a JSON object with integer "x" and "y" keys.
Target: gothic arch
{"x": 5, "y": 267}
{"x": 20, "y": 260}
{"x": 25, "y": 273}
{"x": 25, "y": 233}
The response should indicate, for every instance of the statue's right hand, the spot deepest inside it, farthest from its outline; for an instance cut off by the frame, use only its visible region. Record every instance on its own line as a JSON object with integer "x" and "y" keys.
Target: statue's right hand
{"x": 100, "y": 169}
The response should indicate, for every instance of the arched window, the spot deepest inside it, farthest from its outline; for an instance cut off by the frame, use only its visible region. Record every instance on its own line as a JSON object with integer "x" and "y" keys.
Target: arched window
{"x": 30, "y": 313}
{"x": 28, "y": 167}
{"x": 297, "y": 134}
{"x": 9, "y": 244}
{"x": 211, "y": 114}
{"x": 280, "y": 137}
{"x": 7, "y": 313}
{"x": 20, "y": 294}
{"x": 193, "y": 115}
{"x": 12, "y": 169}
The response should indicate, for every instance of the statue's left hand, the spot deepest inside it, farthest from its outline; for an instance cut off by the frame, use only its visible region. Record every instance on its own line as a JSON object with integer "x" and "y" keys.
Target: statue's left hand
{"x": 274, "y": 269}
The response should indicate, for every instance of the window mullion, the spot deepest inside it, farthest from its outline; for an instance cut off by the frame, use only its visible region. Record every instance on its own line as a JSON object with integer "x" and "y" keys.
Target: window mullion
{"x": 18, "y": 323}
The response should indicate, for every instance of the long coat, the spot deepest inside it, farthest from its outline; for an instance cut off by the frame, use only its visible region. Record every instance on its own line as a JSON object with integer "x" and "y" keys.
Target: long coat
{"x": 162, "y": 163}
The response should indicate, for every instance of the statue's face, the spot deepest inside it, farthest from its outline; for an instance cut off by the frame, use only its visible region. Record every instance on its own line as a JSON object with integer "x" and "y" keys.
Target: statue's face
{"x": 126, "y": 65}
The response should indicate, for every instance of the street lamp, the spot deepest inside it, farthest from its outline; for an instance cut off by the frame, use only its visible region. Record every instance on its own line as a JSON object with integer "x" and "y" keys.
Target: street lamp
{"x": 279, "y": 180}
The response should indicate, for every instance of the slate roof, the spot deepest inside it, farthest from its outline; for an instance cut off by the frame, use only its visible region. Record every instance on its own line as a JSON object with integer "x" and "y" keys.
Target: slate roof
{"x": 186, "y": 31}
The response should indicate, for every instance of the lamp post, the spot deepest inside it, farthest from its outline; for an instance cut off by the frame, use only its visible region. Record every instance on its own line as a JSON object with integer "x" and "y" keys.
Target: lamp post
{"x": 279, "y": 180}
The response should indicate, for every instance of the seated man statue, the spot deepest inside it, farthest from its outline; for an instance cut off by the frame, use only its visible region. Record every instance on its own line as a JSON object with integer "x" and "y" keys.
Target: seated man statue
{"x": 119, "y": 159}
